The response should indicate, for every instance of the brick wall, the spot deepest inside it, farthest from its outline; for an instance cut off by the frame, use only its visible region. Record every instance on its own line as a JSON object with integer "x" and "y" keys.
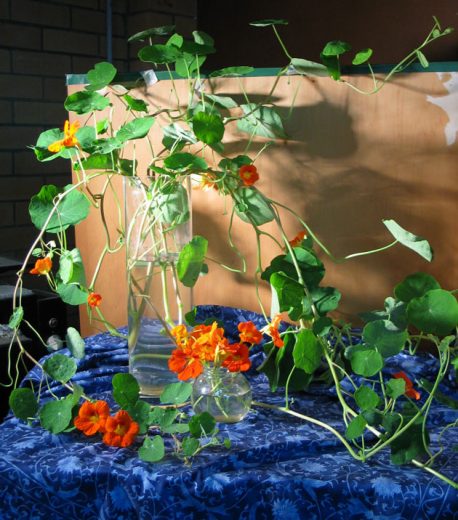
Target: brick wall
{"x": 40, "y": 42}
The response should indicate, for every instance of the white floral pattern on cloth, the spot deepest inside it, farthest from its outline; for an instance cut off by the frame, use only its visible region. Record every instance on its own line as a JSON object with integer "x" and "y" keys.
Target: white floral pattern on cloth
{"x": 278, "y": 467}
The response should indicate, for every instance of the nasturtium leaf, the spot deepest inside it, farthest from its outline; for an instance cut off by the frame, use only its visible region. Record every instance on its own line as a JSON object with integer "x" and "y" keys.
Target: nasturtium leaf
{"x": 23, "y": 403}
{"x": 325, "y": 299}
{"x": 333, "y": 66}
{"x": 362, "y": 56}
{"x": 16, "y": 318}
{"x": 253, "y": 207}
{"x": 75, "y": 343}
{"x": 189, "y": 64}
{"x": 410, "y": 444}
{"x": 136, "y": 129}
{"x": 96, "y": 162}
{"x": 268, "y": 22}
{"x": 71, "y": 269}
{"x": 55, "y": 416}
{"x": 191, "y": 259}
{"x": 385, "y": 337}
{"x": 290, "y": 294}
{"x": 232, "y": 71}
{"x": 182, "y": 161}
{"x": 202, "y": 425}
{"x": 208, "y": 128}
{"x": 75, "y": 397}
{"x": 72, "y": 294}
{"x": 86, "y": 137}
{"x": 176, "y": 428}
{"x": 126, "y": 390}
{"x": 172, "y": 207}
{"x": 60, "y": 368}
{"x": 366, "y": 362}
{"x": 176, "y": 393}
{"x": 71, "y": 209}
{"x": 356, "y": 428}
{"x": 322, "y": 326}
{"x": 422, "y": 59}
{"x": 152, "y": 450}
{"x": 308, "y": 68}
{"x": 175, "y": 136}
{"x": 44, "y": 140}
{"x": 127, "y": 167}
{"x": 440, "y": 397}
{"x": 235, "y": 163}
{"x": 307, "y": 351}
{"x": 84, "y": 102}
{"x": 262, "y": 121}
{"x": 162, "y": 417}
{"x": 176, "y": 40}
{"x": 366, "y": 398}
{"x": 373, "y": 417}
{"x": 418, "y": 244}
{"x": 189, "y": 446}
{"x": 163, "y": 30}
{"x": 222, "y": 101}
{"x": 100, "y": 76}
{"x": 436, "y": 312}
{"x": 395, "y": 312}
{"x": 415, "y": 285}
{"x": 138, "y": 105}
{"x": 160, "y": 54}
{"x": 102, "y": 125}
{"x": 395, "y": 388}
{"x": 106, "y": 146}
{"x": 140, "y": 413}
{"x": 336, "y": 48}
{"x": 194, "y": 48}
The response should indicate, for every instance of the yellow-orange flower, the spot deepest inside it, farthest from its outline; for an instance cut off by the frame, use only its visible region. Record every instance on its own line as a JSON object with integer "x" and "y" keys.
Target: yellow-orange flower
{"x": 185, "y": 365}
{"x": 237, "y": 358}
{"x": 249, "y": 174}
{"x": 94, "y": 299}
{"x": 297, "y": 240}
{"x": 249, "y": 333}
{"x": 69, "y": 139}
{"x": 272, "y": 330}
{"x": 92, "y": 417}
{"x": 409, "y": 389}
{"x": 42, "y": 266}
{"x": 208, "y": 182}
{"x": 120, "y": 430}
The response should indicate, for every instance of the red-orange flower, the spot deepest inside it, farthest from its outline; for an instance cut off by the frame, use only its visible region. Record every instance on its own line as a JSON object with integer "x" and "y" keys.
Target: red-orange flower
{"x": 297, "y": 240}
{"x": 94, "y": 299}
{"x": 120, "y": 430}
{"x": 272, "y": 330}
{"x": 69, "y": 139}
{"x": 185, "y": 365}
{"x": 92, "y": 417}
{"x": 249, "y": 333}
{"x": 237, "y": 358}
{"x": 410, "y": 391}
{"x": 42, "y": 266}
{"x": 249, "y": 174}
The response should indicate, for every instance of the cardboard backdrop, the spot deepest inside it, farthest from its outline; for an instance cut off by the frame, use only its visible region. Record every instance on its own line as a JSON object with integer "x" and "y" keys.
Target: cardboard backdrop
{"x": 350, "y": 161}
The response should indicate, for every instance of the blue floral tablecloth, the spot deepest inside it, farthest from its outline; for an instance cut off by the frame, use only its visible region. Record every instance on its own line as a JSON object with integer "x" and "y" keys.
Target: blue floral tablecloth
{"x": 278, "y": 467}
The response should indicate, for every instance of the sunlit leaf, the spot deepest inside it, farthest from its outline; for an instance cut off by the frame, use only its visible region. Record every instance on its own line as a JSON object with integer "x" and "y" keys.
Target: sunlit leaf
{"x": 418, "y": 244}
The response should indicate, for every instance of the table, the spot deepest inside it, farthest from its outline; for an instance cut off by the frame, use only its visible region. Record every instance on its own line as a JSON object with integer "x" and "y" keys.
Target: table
{"x": 278, "y": 467}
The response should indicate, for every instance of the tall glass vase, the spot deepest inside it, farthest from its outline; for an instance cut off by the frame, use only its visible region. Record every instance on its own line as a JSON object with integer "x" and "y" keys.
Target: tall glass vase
{"x": 158, "y": 225}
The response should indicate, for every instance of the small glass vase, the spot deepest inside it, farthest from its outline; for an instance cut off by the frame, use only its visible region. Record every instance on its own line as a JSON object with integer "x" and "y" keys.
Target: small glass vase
{"x": 223, "y": 394}
{"x": 159, "y": 225}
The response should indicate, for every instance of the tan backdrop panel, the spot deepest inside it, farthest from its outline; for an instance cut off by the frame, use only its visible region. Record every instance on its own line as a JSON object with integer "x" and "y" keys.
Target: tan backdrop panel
{"x": 350, "y": 162}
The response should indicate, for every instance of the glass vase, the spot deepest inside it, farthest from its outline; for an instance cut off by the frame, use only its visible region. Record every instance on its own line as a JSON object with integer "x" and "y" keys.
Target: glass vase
{"x": 223, "y": 394}
{"x": 158, "y": 226}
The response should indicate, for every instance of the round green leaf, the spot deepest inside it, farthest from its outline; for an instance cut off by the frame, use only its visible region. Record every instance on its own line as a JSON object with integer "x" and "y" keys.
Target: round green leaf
{"x": 307, "y": 351}
{"x": 395, "y": 388}
{"x": 356, "y": 428}
{"x": 72, "y": 294}
{"x": 262, "y": 121}
{"x": 366, "y": 398}
{"x": 252, "y": 206}
{"x": 366, "y": 362}
{"x": 414, "y": 286}
{"x": 163, "y": 30}
{"x": 185, "y": 161}
{"x": 202, "y": 425}
{"x": 268, "y": 22}
{"x": 208, "y": 128}
{"x": 172, "y": 207}
{"x": 135, "y": 104}
{"x": 75, "y": 343}
{"x": 100, "y": 76}
{"x": 308, "y": 68}
{"x": 191, "y": 259}
{"x": 418, "y": 244}
{"x": 176, "y": 393}
{"x": 436, "y": 312}
{"x": 362, "y": 56}
{"x": 55, "y": 416}
{"x": 60, "y": 368}
{"x": 384, "y": 336}
{"x": 136, "y": 129}
{"x": 84, "y": 102}
{"x": 336, "y": 48}
{"x": 126, "y": 390}
{"x": 23, "y": 403}
{"x": 160, "y": 54}
{"x": 189, "y": 446}
{"x": 152, "y": 450}
{"x": 232, "y": 71}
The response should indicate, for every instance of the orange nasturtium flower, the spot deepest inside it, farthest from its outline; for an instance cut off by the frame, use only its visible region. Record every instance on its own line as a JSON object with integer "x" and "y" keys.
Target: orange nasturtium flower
{"x": 185, "y": 365}
{"x": 237, "y": 358}
{"x": 297, "y": 240}
{"x": 94, "y": 299}
{"x": 410, "y": 391}
{"x": 272, "y": 330}
{"x": 69, "y": 139}
{"x": 249, "y": 333}
{"x": 42, "y": 266}
{"x": 92, "y": 417}
{"x": 120, "y": 430}
{"x": 249, "y": 174}
{"x": 208, "y": 182}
